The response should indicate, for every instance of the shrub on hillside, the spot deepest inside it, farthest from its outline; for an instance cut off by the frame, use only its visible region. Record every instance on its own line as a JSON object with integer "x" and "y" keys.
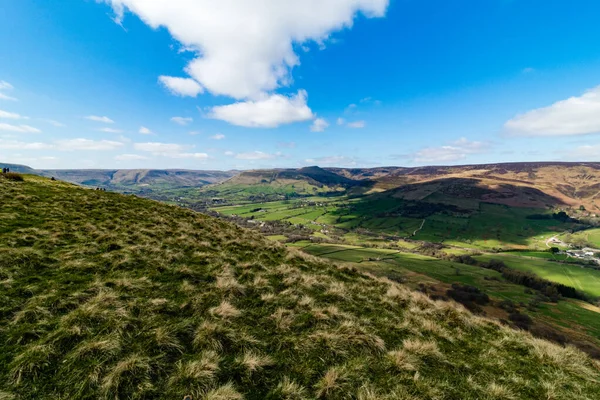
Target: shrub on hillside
{"x": 522, "y": 321}
{"x": 469, "y": 296}
{"x": 13, "y": 176}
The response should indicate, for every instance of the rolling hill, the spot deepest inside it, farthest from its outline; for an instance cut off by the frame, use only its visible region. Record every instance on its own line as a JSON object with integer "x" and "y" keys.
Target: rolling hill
{"x": 112, "y": 296}
{"x": 261, "y": 185}
{"x": 131, "y": 180}
{"x": 561, "y": 184}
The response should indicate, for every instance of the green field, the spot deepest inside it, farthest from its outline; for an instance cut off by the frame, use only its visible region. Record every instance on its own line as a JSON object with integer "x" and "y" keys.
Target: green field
{"x": 489, "y": 227}
{"x": 381, "y": 261}
{"x": 416, "y": 269}
{"x": 584, "y": 279}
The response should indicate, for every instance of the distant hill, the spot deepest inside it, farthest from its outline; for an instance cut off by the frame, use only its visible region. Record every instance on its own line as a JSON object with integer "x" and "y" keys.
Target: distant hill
{"x": 540, "y": 183}
{"x": 107, "y": 296}
{"x": 275, "y": 184}
{"x": 130, "y": 180}
{"x": 24, "y": 169}
{"x": 537, "y": 184}
{"x": 140, "y": 178}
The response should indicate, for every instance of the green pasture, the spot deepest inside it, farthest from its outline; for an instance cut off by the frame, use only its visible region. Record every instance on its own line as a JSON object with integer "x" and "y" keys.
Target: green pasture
{"x": 581, "y": 278}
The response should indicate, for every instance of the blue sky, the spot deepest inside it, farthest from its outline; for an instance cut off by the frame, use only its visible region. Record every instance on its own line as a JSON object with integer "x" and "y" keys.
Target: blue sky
{"x": 271, "y": 83}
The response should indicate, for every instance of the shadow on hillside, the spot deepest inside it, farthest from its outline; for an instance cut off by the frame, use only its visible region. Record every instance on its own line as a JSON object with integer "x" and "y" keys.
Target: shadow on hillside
{"x": 456, "y": 209}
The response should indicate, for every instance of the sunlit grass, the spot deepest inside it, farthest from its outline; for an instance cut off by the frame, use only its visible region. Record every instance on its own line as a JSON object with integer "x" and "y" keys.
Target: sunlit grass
{"x": 106, "y": 296}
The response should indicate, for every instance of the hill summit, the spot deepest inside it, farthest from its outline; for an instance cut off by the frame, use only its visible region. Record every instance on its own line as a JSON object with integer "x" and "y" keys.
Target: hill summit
{"x": 116, "y": 297}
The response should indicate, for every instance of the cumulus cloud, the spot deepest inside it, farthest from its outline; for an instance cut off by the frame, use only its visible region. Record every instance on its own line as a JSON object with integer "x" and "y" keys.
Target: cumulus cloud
{"x": 319, "y": 125}
{"x": 87, "y": 144}
{"x": 97, "y": 118}
{"x": 130, "y": 157}
{"x": 286, "y": 145}
{"x": 357, "y": 124}
{"x": 268, "y": 112}
{"x": 18, "y": 145}
{"x": 11, "y": 115}
{"x": 110, "y": 130}
{"x": 170, "y": 150}
{"x": 245, "y": 48}
{"x": 145, "y": 131}
{"x": 5, "y": 85}
{"x": 333, "y": 160}
{"x": 256, "y": 155}
{"x": 573, "y": 116}
{"x": 218, "y": 136}
{"x": 7, "y": 97}
{"x": 19, "y": 128}
{"x": 182, "y": 120}
{"x": 53, "y": 122}
{"x": 181, "y": 86}
{"x": 340, "y": 121}
{"x": 62, "y": 145}
{"x": 456, "y": 151}
{"x": 584, "y": 153}
{"x": 229, "y": 153}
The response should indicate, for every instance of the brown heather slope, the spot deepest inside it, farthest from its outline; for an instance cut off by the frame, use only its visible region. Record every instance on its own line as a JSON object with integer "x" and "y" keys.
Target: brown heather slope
{"x": 515, "y": 184}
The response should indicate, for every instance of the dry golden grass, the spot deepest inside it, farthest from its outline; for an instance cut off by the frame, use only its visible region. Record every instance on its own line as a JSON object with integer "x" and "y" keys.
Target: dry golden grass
{"x": 119, "y": 297}
{"x": 225, "y": 310}
{"x": 253, "y": 361}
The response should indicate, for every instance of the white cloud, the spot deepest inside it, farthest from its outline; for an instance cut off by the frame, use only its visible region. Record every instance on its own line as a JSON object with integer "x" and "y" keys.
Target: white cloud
{"x": 53, "y": 122}
{"x": 357, "y": 124}
{"x": 340, "y": 121}
{"x": 181, "y": 86}
{"x": 319, "y": 125}
{"x": 218, "y": 136}
{"x": 18, "y": 128}
{"x": 574, "y": 116}
{"x": 585, "y": 153}
{"x": 256, "y": 155}
{"x": 269, "y": 112}
{"x": 286, "y": 145}
{"x": 96, "y": 118}
{"x": 110, "y": 130}
{"x": 456, "y": 151}
{"x": 17, "y": 145}
{"x": 159, "y": 148}
{"x": 229, "y": 153}
{"x": 145, "y": 131}
{"x": 7, "y": 97}
{"x": 5, "y": 85}
{"x": 199, "y": 156}
{"x": 10, "y": 115}
{"x": 171, "y": 150}
{"x": 182, "y": 120}
{"x": 194, "y": 133}
{"x": 87, "y": 144}
{"x": 130, "y": 157}
{"x": 245, "y": 48}
{"x": 332, "y": 160}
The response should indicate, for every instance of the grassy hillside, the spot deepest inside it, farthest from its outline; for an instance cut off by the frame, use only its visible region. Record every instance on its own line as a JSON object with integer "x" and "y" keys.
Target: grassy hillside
{"x": 17, "y": 168}
{"x": 268, "y": 185}
{"x": 572, "y": 184}
{"x": 139, "y": 180}
{"x": 111, "y": 296}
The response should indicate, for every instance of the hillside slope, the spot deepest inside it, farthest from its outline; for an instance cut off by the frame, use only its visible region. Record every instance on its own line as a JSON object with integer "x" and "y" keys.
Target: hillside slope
{"x": 264, "y": 185}
{"x": 139, "y": 179}
{"x": 112, "y": 296}
{"x": 521, "y": 184}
